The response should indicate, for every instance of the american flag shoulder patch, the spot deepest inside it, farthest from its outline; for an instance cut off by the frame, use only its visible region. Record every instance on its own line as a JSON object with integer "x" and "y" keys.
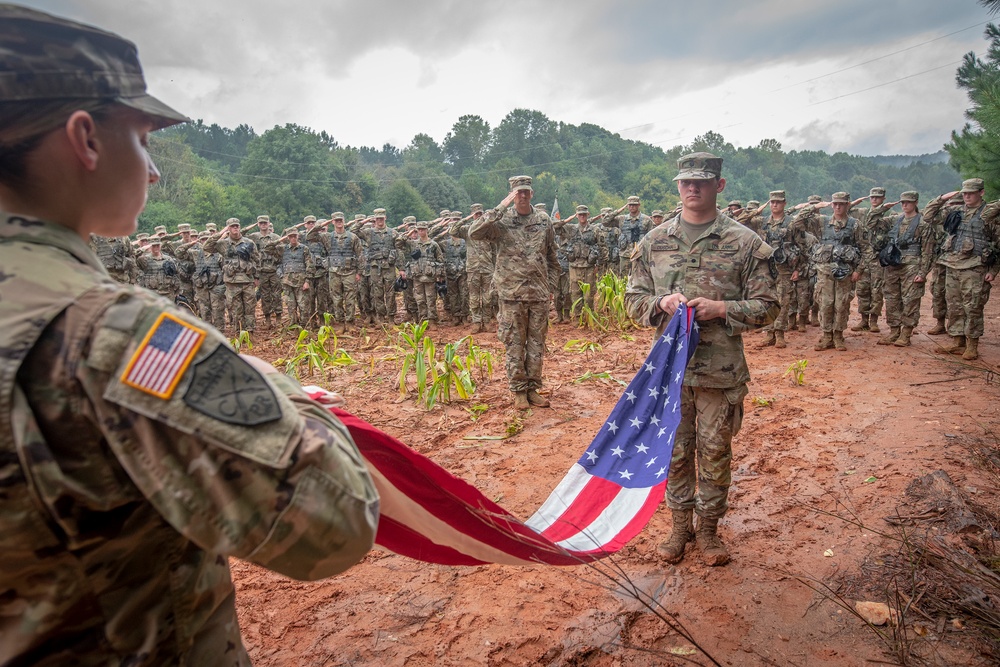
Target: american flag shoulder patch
{"x": 161, "y": 359}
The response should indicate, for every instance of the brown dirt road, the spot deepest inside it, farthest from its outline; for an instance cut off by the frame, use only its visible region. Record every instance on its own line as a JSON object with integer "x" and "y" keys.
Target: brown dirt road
{"x": 864, "y": 425}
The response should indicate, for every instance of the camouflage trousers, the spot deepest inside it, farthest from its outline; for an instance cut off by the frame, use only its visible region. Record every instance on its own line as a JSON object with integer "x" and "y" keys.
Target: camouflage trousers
{"x": 787, "y": 299}
{"x": 383, "y": 298}
{"x": 939, "y": 302}
{"x": 343, "y": 293}
{"x": 211, "y": 302}
{"x": 317, "y": 298}
{"x": 703, "y": 450}
{"x": 241, "y": 300}
{"x": 902, "y": 295}
{"x": 298, "y": 303}
{"x": 458, "y": 295}
{"x": 522, "y": 329}
{"x": 871, "y": 276}
{"x": 409, "y": 304}
{"x": 803, "y": 294}
{"x": 425, "y": 295}
{"x": 270, "y": 293}
{"x": 480, "y": 296}
{"x": 967, "y": 294}
{"x": 563, "y": 302}
{"x": 186, "y": 289}
{"x": 364, "y": 296}
{"x": 834, "y": 298}
{"x": 582, "y": 274}
{"x": 122, "y": 276}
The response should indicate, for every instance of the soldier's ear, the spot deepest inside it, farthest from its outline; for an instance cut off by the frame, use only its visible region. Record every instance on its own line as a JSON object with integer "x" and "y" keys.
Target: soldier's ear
{"x": 81, "y": 136}
{"x": 722, "y": 185}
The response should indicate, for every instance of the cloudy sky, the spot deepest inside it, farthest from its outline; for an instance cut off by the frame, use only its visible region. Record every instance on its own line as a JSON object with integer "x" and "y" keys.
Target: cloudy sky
{"x": 862, "y": 76}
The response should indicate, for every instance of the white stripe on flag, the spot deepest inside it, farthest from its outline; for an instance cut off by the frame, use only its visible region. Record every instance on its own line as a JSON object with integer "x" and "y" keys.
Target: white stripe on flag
{"x": 560, "y": 499}
{"x": 610, "y": 522}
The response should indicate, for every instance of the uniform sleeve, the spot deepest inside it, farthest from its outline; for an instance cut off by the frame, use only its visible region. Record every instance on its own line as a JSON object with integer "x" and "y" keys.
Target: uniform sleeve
{"x": 759, "y": 305}
{"x": 640, "y": 294}
{"x": 307, "y": 257}
{"x": 240, "y": 463}
{"x": 485, "y": 229}
{"x": 552, "y": 259}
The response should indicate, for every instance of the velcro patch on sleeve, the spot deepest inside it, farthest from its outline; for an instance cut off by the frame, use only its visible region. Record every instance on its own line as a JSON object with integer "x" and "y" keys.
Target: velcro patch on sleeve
{"x": 161, "y": 359}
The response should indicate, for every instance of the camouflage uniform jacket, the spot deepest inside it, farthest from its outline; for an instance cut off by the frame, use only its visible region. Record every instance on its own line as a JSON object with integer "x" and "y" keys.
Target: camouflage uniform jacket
{"x": 630, "y": 230}
{"x": 240, "y": 259}
{"x": 586, "y": 246}
{"x": 380, "y": 246}
{"x": 267, "y": 262}
{"x": 158, "y": 274}
{"x": 527, "y": 266}
{"x": 837, "y": 248}
{"x": 480, "y": 255}
{"x": 428, "y": 266}
{"x": 915, "y": 240}
{"x": 455, "y": 256}
{"x": 790, "y": 238}
{"x": 119, "y": 508}
{"x": 116, "y": 254}
{"x": 874, "y": 227}
{"x": 344, "y": 251}
{"x": 295, "y": 263}
{"x": 727, "y": 263}
{"x": 207, "y": 265}
{"x": 979, "y": 231}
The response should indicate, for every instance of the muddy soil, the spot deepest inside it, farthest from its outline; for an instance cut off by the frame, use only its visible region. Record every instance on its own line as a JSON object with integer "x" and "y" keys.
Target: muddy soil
{"x": 847, "y": 443}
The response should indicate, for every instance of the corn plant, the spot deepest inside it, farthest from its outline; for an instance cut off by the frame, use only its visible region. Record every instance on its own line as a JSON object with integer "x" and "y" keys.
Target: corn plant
{"x": 587, "y": 317}
{"x": 241, "y": 342}
{"x": 440, "y": 374}
{"x": 797, "y": 370}
{"x": 611, "y": 300}
{"x": 317, "y": 354}
{"x": 581, "y": 346}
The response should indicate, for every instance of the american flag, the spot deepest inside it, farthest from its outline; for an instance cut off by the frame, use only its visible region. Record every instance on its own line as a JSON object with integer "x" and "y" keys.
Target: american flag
{"x": 604, "y": 501}
{"x": 160, "y": 361}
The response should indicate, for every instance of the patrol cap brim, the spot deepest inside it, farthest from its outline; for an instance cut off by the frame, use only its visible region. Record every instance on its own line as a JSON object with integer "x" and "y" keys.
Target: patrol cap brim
{"x": 693, "y": 175}
{"x": 162, "y": 115}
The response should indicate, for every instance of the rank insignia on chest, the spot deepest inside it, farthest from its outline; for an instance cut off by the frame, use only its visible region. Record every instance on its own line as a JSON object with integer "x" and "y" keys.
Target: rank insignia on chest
{"x": 164, "y": 354}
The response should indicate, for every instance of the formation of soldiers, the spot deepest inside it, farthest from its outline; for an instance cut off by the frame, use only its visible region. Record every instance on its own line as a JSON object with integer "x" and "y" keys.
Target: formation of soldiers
{"x": 885, "y": 259}
{"x": 353, "y": 271}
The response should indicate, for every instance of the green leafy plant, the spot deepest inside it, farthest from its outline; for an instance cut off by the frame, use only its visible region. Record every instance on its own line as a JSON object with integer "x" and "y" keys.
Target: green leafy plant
{"x": 241, "y": 342}
{"x": 476, "y": 410}
{"x": 315, "y": 355}
{"x": 762, "y": 402}
{"x": 602, "y": 375}
{"x": 797, "y": 371}
{"x": 440, "y": 374}
{"x": 611, "y": 300}
{"x": 513, "y": 426}
{"x": 581, "y": 346}
{"x": 587, "y": 317}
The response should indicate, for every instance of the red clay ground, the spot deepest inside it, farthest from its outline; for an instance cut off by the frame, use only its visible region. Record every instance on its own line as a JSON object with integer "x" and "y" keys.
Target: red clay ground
{"x": 865, "y": 424}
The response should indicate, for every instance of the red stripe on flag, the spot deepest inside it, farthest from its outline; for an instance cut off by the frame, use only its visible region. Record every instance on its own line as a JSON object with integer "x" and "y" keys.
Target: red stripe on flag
{"x": 638, "y": 522}
{"x": 588, "y": 504}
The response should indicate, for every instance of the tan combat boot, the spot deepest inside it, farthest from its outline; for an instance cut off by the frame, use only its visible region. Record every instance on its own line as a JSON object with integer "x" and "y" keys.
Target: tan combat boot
{"x": 873, "y": 324}
{"x": 521, "y": 400}
{"x": 814, "y": 319}
{"x": 536, "y": 399}
{"x": 802, "y": 322}
{"x": 890, "y": 337}
{"x": 825, "y": 342}
{"x": 938, "y": 329}
{"x": 682, "y": 532}
{"x": 971, "y": 349}
{"x": 862, "y": 325}
{"x": 957, "y": 345}
{"x": 779, "y": 340}
{"x": 768, "y": 341}
{"x": 713, "y": 551}
{"x": 838, "y": 341}
{"x": 479, "y": 328}
{"x": 904, "y": 337}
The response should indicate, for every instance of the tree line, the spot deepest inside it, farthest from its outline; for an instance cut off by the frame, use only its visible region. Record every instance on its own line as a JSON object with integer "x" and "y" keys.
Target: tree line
{"x": 211, "y": 173}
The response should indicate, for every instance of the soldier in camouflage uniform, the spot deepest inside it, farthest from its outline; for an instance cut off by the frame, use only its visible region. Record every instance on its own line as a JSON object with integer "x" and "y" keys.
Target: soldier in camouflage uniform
{"x": 561, "y": 297}
{"x": 456, "y": 274}
{"x": 904, "y": 283}
{"x": 380, "y": 256}
{"x": 586, "y": 249}
{"x": 157, "y": 271}
{"x": 424, "y": 268}
{"x": 344, "y": 252}
{"x": 939, "y": 305}
{"x": 240, "y": 260}
{"x": 117, "y": 255}
{"x": 610, "y": 234}
{"x": 269, "y": 284}
{"x": 129, "y": 479}
{"x": 720, "y": 269}
{"x": 365, "y": 307}
{"x": 297, "y": 270}
{"x": 526, "y": 275}
{"x": 209, "y": 290}
{"x": 480, "y": 263}
{"x": 970, "y": 255}
{"x": 317, "y": 296}
{"x": 874, "y": 225}
{"x": 631, "y": 228}
{"x": 835, "y": 257}
{"x": 789, "y": 260}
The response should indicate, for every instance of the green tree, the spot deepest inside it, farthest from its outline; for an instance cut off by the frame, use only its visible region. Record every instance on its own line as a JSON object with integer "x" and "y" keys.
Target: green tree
{"x": 466, "y": 145}
{"x": 401, "y": 199}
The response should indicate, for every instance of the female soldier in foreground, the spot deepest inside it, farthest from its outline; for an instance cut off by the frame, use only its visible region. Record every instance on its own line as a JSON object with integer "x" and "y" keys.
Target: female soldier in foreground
{"x": 137, "y": 450}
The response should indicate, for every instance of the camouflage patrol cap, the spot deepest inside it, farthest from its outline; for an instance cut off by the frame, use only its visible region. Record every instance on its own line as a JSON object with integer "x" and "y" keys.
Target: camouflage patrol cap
{"x": 972, "y": 185}
{"x": 409, "y": 218}
{"x": 736, "y": 202}
{"x": 309, "y": 218}
{"x": 294, "y": 231}
{"x": 45, "y": 58}
{"x": 141, "y": 236}
{"x": 476, "y": 208}
{"x": 840, "y": 198}
{"x": 423, "y": 224}
{"x": 184, "y": 227}
{"x": 910, "y": 195}
{"x": 520, "y": 183}
{"x": 541, "y": 206}
{"x": 632, "y": 200}
{"x": 379, "y": 212}
{"x": 360, "y": 216}
{"x": 155, "y": 240}
{"x": 656, "y": 214}
{"x": 607, "y": 209}
{"x": 876, "y": 192}
{"x": 160, "y": 229}
{"x": 698, "y": 167}
{"x": 583, "y": 208}
{"x": 204, "y": 235}
{"x": 337, "y": 216}
{"x": 211, "y": 227}
{"x": 263, "y": 218}
{"x": 777, "y": 195}
{"x": 753, "y": 203}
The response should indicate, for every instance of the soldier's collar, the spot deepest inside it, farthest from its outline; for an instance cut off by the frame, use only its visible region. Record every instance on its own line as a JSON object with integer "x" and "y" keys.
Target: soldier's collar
{"x": 32, "y": 230}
